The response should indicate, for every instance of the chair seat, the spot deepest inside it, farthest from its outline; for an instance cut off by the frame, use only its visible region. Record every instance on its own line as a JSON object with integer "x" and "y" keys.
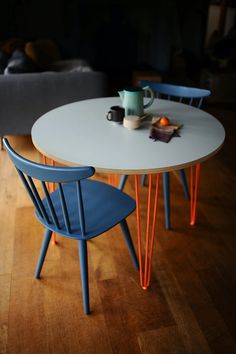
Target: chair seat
{"x": 99, "y": 215}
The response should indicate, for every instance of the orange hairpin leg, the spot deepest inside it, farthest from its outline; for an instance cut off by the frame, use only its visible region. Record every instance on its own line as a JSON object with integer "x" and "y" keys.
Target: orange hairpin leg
{"x": 51, "y": 187}
{"x": 145, "y": 274}
{"x": 194, "y": 182}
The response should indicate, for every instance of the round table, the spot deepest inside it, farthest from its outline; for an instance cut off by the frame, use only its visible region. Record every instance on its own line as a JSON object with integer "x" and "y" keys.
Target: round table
{"x": 79, "y": 134}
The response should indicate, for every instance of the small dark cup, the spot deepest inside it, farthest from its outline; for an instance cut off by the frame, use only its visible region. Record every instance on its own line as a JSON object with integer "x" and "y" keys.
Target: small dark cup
{"x": 116, "y": 114}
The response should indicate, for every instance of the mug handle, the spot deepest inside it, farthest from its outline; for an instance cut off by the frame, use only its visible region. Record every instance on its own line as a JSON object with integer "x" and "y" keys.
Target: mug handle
{"x": 109, "y": 115}
{"x": 147, "y": 88}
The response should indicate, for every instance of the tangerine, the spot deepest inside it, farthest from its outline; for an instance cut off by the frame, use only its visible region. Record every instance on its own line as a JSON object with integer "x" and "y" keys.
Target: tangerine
{"x": 164, "y": 121}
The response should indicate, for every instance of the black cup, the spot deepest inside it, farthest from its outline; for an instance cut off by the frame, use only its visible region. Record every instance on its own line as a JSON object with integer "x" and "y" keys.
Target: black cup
{"x": 116, "y": 114}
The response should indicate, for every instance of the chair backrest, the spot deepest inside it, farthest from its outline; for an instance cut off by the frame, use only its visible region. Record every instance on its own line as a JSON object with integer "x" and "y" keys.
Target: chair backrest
{"x": 184, "y": 94}
{"x": 30, "y": 172}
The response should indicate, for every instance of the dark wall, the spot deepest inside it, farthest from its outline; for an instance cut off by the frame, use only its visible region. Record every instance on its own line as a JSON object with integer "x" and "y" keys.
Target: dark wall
{"x": 112, "y": 34}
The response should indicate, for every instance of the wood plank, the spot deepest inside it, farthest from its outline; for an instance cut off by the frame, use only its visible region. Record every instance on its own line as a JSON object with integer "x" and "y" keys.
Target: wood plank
{"x": 165, "y": 340}
{"x": 189, "y": 329}
{"x": 7, "y": 215}
{"x": 5, "y": 286}
{"x": 122, "y": 338}
{"x": 28, "y": 238}
{"x": 202, "y": 304}
{"x": 221, "y": 285}
{"x": 26, "y": 317}
{"x": 100, "y": 256}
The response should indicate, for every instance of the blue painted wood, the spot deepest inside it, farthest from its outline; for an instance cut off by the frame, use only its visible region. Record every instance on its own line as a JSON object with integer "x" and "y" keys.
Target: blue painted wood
{"x": 166, "y": 189}
{"x": 64, "y": 208}
{"x": 143, "y": 180}
{"x": 122, "y": 182}
{"x": 43, "y": 251}
{"x": 126, "y": 233}
{"x": 37, "y": 202}
{"x": 36, "y": 195}
{"x": 184, "y": 184}
{"x": 188, "y": 95}
{"x": 83, "y": 256}
{"x": 193, "y": 95}
{"x": 50, "y": 206}
{"x": 80, "y": 208}
{"x": 47, "y": 173}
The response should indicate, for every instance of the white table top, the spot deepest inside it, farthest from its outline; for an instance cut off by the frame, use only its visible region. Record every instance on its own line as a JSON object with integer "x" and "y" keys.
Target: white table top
{"x": 79, "y": 134}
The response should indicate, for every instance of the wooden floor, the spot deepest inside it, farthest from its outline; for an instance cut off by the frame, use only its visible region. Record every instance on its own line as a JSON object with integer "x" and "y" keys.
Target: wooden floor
{"x": 190, "y": 306}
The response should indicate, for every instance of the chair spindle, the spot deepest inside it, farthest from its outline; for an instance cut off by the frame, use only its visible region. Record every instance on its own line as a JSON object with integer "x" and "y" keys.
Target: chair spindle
{"x": 38, "y": 206}
{"x": 50, "y": 205}
{"x": 64, "y": 208}
{"x": 81, "y": 208}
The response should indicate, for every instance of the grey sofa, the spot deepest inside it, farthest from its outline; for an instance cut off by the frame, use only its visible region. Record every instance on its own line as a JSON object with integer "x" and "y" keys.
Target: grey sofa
{"x": 25, "y": 97}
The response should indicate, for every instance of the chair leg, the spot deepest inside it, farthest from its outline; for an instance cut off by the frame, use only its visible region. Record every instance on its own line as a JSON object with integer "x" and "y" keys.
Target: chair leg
{"x": 84, "y": 274}
{"x": 43, "y": 251}
{"x": 143, "y": 180}
{"x": 122, "y": 182}
{"x": 184, "y": 184}
{"x": 126, "y": 233}
{"x": 166, "y": 187}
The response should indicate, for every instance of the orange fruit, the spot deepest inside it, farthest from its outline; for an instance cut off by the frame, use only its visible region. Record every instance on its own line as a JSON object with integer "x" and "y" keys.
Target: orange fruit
{"x": 164, "y": 121}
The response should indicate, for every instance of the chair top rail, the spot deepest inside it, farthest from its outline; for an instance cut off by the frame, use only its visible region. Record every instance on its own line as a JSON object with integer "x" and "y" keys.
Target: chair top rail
{"x": 176, "y": 90}
{"x": 48, "y": 173}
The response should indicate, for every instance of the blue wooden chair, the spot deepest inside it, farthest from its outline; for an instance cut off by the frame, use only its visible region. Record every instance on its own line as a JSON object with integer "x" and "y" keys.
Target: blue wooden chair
{"x": 80, "y": 208}
{"x": 188, "y": 95}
